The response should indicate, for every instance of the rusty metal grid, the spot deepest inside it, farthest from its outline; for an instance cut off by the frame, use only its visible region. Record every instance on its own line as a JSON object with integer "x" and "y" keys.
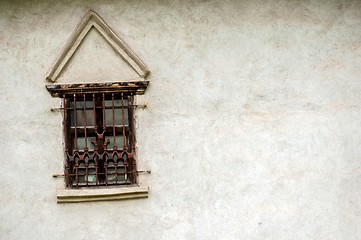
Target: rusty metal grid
{"x": 99, "y": 139}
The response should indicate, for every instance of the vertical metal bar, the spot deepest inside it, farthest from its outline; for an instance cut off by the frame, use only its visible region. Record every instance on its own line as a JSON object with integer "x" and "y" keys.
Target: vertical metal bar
{"x": 114, "y": 142}
{"x": 125, "y": 164}
{"x": 95, "y": 154}
{"x": 85, "y": 132}
{"x": 75, "y": 131}
{"x": 96, "y": 168}
{"x": 76, "y": 143}
{"x": 86, "y": 142}
{"x": 104, "y": 118}
{"x": 95, "y": 118}
{"x": 105, "y": 164}
{"x": 86, "y": 172}
{"x": 135, "y": 172}
{"x": 123, "y": 124}
{"x": 106, "y": 169}
{"x": 115, "y": 169}
{"x": 76, "y": 161}
{"x": 65, "y": 122}
{"x": 124, "y": 142}
{"x": 76, "y": 174}
{"x": 132, "y": 123}
{"x": 113, "y": 115}
{"x": 67, "y": 182}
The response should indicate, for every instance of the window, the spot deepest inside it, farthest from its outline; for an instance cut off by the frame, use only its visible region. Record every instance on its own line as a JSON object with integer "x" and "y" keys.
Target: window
{"x": 99, "y": 139}
{"x": 99, "y": 124}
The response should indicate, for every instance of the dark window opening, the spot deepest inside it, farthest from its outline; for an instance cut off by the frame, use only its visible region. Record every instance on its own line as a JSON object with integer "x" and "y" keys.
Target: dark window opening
{"x": 99, "y": 139}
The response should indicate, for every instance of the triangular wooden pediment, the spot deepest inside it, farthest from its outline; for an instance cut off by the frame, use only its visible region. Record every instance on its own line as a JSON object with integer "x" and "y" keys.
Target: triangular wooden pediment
{"x": 93, "y": 20}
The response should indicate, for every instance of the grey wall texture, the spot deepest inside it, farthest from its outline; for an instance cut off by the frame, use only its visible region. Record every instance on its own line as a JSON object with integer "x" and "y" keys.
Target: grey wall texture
{"x": 252, "y": 130}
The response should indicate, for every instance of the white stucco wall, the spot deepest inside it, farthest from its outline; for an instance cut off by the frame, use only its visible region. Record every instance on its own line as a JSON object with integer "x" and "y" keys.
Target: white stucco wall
{"x": 252, "y": 131}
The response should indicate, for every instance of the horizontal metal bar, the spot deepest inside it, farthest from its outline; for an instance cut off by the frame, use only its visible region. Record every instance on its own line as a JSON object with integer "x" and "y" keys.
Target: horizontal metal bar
{"x": 144, "y": 105}
{"x": 58, "y": 175}
{"x": 56, "y": 109}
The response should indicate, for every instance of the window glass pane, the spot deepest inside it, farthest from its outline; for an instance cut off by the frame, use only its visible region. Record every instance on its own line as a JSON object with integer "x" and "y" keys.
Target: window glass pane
{"x": 121, "y": 174}
{"x": 119, "y": 140}
{"x": 81, "y": 143}
{"x": 71, "y": 119}
{"x": 81, "y": 173}
{"x": 91, "y": 178}
{"x": 117, "y": 102}
{"x": 80, "y": 114}
{"x": 91, "y": 173}
{"x": 111, "y": 172}
{"x": 80, "y": 104}
{"x": 80, "y": 118}
{"x": 117, "y": 117}
{"x": 89, "y": 117}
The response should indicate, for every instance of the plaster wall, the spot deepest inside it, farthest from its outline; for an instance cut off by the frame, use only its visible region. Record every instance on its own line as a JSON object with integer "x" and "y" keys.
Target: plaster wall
{"x": 252, "y": 130}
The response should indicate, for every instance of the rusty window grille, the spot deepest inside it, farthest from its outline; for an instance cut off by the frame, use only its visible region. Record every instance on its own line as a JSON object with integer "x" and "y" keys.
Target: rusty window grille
{"x": 99, "y": 139}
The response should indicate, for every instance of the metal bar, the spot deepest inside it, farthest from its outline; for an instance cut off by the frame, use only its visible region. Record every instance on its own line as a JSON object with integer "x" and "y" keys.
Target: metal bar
{"x": 106, "y": 170}
{"x": 75, "y": 134}
{"x": 104, "y": 156}
{"x": 115, "y": 169}
{"x": 76, "y": 172}
{"x": 67, "y": 180}
{"x": 132, "y": 127}
{"x": 56, "y": 109}
{"x": 123, "y": 123}
{"x": 101, "y": 156}
{"x": 115, "y": 148}
{"x": 145, "y": 105}
{"x": 104, "y": 113}
{"x": 113, "y": 116}
{"x": 65, "y": 122}
{"x": 125, "y": 164}
{"x": 85, "y": 131}
{"x": 75, "y": 152}
{"x": 96, "y": 168}
{"x": 86, "y": 172}
{"x": 132, "y": 123}
{"x": 94, "y": 112}
{"x": 57, "y": 175}
{"x": 125, "y": 152}
{"x": 60, "y": 175}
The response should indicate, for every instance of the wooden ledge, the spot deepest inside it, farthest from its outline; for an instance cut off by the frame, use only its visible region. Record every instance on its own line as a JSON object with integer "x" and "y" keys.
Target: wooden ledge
{"x": 101, "y": 194}
{"x": 136, "y": 87}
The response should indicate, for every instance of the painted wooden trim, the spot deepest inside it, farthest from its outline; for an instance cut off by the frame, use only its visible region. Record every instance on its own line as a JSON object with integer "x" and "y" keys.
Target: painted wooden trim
{"x": 135, "y": 87}
{"x": 101, "y": 194}
{"x": 89, "y": 21}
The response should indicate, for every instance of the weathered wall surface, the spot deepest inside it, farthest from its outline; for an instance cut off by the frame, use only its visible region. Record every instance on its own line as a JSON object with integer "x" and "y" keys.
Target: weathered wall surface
{"x": 252, "y": 131}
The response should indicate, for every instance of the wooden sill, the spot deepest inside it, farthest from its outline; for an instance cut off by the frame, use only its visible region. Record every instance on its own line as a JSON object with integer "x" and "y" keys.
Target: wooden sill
{"x": 101, "y": 194}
